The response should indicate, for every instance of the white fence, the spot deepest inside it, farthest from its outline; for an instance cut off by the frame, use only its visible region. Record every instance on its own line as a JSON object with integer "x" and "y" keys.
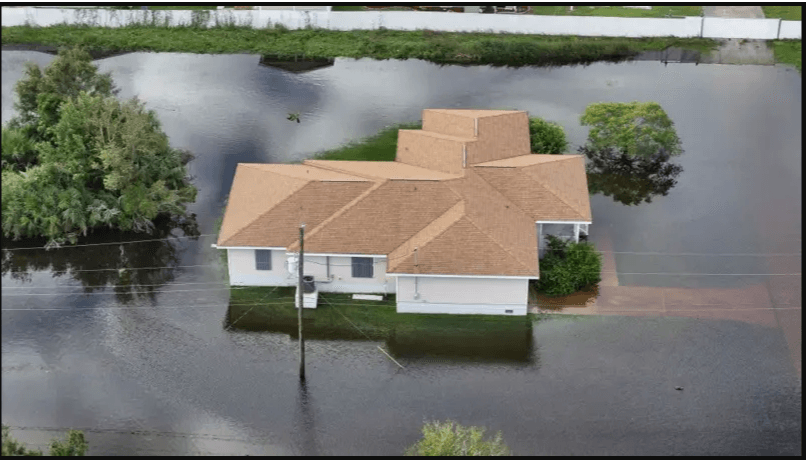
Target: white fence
{"x": 760, "y": 29}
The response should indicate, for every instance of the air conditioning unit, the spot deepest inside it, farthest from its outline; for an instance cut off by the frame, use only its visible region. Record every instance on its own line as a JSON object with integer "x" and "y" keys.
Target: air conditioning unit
{"x": 310, "y": 293}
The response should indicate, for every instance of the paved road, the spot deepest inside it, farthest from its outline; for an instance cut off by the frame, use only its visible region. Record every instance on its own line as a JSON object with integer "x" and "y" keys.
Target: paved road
{"x": 733, "y": 11}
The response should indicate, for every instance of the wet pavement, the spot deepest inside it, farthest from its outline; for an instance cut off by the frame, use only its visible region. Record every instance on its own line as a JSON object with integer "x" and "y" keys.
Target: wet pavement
{"x": 148, "y": 367}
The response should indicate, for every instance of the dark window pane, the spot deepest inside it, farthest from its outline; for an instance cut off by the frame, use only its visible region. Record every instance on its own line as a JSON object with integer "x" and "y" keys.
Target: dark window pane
{"x": 263, "y": 260}
{"x": 362, "y": 267}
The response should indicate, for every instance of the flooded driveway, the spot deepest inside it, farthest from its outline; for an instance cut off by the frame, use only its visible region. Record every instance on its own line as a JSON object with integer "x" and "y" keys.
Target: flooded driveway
{"x": 151, "y": 370}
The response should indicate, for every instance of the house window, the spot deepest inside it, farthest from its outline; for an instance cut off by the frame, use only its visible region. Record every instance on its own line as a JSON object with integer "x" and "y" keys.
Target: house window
{"x": 263, "y": 260}
{"x": 362, "y": 267}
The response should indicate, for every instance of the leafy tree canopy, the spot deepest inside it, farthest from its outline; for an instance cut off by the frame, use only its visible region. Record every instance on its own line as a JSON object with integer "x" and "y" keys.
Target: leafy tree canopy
{"x": 76, "y": 158}
{"x": 452, "y": 439}
{"x": 73, "y": 445}
{"x": 547, "y": 137}
{"x": 638, "y": 129}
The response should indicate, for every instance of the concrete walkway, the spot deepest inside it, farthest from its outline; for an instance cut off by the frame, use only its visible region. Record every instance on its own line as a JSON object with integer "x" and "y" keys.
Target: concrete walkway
{"x": 733, "y": 11}
{"x": 777, "y": 304}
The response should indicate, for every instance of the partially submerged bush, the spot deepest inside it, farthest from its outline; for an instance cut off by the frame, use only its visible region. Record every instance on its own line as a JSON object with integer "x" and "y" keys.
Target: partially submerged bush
{"x": 447, "y": 439}
{"x": 547, "y": 137}
{"x": 568, "y": 267}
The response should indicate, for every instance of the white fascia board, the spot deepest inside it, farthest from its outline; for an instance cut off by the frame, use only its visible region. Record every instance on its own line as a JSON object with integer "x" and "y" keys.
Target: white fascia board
{"x": 566, "y": 222}
{"x": 249, "y": 247}
{"x": 310, "y": 254}
{"x": 421, "y": 275}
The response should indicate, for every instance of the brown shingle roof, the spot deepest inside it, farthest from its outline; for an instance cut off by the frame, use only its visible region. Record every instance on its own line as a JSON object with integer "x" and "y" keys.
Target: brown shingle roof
{"x": 462, "y": 249}
{"x": 549, "y": 187}
{"x": 500, "y": 218}
{"x": 478, "y": 220}
{"x": 382, "y": 219}
{"x": 377, "y": 170}
{"x": 259, "y": 188}
{"x": 311, "y": 204}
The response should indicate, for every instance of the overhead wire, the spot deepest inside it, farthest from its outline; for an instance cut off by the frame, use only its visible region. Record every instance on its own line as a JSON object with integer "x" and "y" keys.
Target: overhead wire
{"x": 72, "y": 246}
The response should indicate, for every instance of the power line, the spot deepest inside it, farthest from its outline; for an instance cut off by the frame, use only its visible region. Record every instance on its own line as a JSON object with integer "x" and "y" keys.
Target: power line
{"x": 116, "y": 285}
{"x": 218, "y": 305}
{"x": 112, "y": 293}
{"x": 110, "y": 243}
{"x": 708, "y": 254}
{"x": 133, "y": 432}
{"x": 113, "y": 269}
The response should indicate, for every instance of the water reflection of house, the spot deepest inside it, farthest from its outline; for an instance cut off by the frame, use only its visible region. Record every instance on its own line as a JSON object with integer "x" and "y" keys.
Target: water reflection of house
{"x": 297, "y": 64}
{"x": 507, "y": 340}
{"x": 453, "y": 225}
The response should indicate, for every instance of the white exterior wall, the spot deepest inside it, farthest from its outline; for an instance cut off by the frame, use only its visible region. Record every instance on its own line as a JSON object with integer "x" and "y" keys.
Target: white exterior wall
{"x": 341, "y": 275}
{"x": 241, "y": 265}
{"x": 404, "y": 20}
{"x": 462, "y": 295}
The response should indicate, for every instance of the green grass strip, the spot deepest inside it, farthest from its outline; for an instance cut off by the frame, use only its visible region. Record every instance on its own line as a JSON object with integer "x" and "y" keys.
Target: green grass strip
{"x": 786, "y": 12}
{"x": 438, "y": 47}
{"x": 788, "y": 52}
{"x": 659, "y": 11}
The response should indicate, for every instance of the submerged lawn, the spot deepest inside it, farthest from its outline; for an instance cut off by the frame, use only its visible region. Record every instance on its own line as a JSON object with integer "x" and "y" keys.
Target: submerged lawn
{"x": 381, "y": 146}
{"x": 339, "y": 317}
{"x": 439, "y": 47}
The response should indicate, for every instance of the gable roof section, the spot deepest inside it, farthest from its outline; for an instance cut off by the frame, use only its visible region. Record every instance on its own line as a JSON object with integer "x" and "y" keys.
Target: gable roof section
{"x": 383, "y": 218}
{"x": 547, "y": 187}
{"x": 462, "y": 249}
{"x": 259, "y": 189}
{"x": 381, "y": 170}
{"x": 501, "y": 219}
{"x": 427, "y": 234}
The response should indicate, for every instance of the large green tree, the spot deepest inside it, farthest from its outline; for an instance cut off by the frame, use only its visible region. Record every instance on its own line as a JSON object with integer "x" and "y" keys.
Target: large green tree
{"x": 76, "y": 158}
{"x": 637, "y": 129}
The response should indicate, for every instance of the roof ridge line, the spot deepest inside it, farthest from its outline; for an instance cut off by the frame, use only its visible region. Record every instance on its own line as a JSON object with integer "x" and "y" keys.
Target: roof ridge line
{"x": 461, "y": 202}
{"x": 338, "y": 170}
{"x": 293, "y": 191}
{"x": 495, "y": 241}
{"x": 340, "y": 212}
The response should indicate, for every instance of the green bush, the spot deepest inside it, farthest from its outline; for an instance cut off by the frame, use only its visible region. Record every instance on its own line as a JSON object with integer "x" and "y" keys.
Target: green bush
{"x": 450, "y": 439}
{"x": 568, "y": 267}
{"x": 547, "y": 137}
{"x": 74, "y": 445}
{"x": 76, "y": 159}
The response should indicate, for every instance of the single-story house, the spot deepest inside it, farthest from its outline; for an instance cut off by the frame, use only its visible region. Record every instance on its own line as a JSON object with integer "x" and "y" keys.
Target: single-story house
{"x": 453, "y": 225}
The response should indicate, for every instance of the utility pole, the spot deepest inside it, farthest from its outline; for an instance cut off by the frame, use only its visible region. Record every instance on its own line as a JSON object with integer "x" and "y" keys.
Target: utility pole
{"x": 300, "y": 301}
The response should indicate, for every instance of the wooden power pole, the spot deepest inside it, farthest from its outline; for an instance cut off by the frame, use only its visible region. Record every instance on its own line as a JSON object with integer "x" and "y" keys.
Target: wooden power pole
{"x": 300, "y": 301}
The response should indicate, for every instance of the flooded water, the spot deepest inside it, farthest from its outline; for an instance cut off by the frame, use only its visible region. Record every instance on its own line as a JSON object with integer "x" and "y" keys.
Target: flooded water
{"x": 147, "y": 368}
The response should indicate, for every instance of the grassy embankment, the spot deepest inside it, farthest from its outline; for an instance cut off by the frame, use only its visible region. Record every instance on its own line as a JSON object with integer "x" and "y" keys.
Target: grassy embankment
{"x": 656, "y": 12}
{"x": 786, "y": 51}
{"x": 438, "y": 47}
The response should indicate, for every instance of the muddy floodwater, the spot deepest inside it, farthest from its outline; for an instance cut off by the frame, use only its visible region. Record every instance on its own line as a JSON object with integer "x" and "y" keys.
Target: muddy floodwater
{"x": 143, "y": 361}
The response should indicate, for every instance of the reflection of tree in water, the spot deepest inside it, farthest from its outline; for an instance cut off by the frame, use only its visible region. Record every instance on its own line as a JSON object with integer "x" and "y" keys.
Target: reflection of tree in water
{"x": 78, "y": 262}
{"x": 630, "y": 180}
